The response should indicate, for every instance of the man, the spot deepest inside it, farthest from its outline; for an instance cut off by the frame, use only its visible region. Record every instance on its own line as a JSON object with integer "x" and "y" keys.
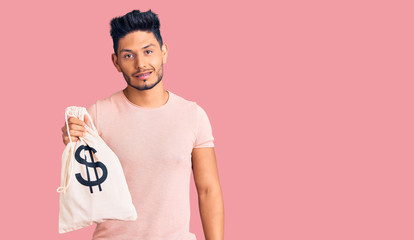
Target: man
{"x": 159, "y": 137}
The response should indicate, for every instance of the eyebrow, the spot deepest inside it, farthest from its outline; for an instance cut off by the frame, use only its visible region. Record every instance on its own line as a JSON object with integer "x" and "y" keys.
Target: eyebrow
{"x": 125, "y": 50}
{"x": 129, "y": 50}
{"x": 149, "y": 45}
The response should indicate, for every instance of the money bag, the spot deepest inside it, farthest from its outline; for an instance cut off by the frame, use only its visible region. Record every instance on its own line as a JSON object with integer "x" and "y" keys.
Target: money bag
{"x": 93, "y": 186}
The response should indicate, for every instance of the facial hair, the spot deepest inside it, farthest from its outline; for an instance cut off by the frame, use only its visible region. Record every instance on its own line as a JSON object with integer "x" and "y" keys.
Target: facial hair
{"x": 159, "y": 74}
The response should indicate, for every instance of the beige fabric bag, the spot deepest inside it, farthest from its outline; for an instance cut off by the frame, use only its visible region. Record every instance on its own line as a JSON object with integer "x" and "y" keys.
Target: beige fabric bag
{"x": 93, "y": 186}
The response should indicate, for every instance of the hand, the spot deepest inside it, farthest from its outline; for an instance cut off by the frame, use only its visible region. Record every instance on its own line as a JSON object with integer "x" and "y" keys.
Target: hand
{"x": 76, "y": 129}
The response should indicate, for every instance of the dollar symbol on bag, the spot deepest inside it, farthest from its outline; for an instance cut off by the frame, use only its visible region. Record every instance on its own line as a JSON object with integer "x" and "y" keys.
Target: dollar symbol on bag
{"x": 93, "y": 165}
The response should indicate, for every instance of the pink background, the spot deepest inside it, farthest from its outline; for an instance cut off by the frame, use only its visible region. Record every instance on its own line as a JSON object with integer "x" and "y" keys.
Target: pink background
{"x": 310, "y": 104}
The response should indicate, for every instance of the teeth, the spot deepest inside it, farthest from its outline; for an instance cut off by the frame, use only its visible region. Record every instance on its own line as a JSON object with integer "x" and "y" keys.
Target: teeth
{"x": 143, "y": 75}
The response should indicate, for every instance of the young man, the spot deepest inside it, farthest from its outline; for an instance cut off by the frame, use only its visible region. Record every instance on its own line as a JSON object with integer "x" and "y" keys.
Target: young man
{"x": 159, "y": 137}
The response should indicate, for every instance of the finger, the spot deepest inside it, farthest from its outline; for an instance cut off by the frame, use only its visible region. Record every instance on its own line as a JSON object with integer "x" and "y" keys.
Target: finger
{"x": 73, "y": 127}
{"x": 87, "y": 121}
{"x": 66, "y": 139}
{"x": 76, "y": 127}
{"x": 74, "y": 133}
{"x": 73, "y": 120}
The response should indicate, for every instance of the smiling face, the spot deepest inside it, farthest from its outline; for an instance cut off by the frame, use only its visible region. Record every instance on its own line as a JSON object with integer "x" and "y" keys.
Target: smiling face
{"x": 140, "y": 59}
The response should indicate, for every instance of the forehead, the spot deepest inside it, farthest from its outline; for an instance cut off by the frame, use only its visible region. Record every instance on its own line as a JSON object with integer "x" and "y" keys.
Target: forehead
{"x": 137, "y": 39}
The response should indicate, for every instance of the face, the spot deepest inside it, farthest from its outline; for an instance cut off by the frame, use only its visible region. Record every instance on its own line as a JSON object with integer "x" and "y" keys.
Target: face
{"x": 140, "y": 59}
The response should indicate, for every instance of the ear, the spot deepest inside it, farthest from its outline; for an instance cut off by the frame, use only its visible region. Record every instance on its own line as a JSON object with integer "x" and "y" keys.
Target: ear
{"x": 164, "y": 52}
{"x": 115, "y": 62}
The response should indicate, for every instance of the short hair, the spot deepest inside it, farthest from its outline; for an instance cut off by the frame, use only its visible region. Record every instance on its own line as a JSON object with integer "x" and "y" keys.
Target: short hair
{"x": 133, "y": 21}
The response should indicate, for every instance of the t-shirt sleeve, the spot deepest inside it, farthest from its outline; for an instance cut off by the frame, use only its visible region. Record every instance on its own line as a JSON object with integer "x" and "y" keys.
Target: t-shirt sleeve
{"x": 204, "y": 134}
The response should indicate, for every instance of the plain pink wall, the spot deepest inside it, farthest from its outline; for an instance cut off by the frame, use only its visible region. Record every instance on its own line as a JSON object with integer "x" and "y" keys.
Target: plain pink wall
{"x": 311, "y": 104}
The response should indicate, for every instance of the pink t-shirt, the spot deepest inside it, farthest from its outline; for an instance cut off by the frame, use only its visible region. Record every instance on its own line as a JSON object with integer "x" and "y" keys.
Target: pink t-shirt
{"x": 154, "y": 147}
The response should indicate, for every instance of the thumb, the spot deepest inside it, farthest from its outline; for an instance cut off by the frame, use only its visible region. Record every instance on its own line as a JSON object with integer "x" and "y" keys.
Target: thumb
{"x": 86, "y": 120}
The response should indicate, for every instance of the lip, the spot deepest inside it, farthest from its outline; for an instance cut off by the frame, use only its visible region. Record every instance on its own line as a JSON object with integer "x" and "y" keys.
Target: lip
{"x": 143, "y": 75}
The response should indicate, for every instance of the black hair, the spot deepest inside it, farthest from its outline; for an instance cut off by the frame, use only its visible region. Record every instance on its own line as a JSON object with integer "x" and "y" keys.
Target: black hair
{"x": 134, "y": 21}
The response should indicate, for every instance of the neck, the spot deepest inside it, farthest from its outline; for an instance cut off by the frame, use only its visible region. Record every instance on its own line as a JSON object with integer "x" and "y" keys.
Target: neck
{"x": 150, "y": 98}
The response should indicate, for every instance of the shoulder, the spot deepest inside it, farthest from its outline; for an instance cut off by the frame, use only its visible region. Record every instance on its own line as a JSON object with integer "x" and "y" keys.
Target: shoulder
{"x": 191, "y": 109}
{"x": 111, "y": 99}
{"x": 107, "y": 101}
{"x": 103, "y": 105}
{"x": 187, "y": 104}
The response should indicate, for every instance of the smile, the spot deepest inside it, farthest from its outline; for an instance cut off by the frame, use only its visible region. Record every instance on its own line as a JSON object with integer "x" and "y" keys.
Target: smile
{"x": 143, "y": 76}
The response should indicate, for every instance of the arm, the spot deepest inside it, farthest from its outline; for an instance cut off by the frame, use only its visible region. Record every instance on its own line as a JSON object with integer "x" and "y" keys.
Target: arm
{"x": 210, "y": 197}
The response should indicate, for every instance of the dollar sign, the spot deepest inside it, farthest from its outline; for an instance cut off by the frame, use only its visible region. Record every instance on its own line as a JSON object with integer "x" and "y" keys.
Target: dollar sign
{"x": 93, "y": 165}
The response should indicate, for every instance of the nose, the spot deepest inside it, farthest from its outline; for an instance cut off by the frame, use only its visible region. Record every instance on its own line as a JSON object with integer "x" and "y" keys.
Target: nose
{"x": 139, "y": 63}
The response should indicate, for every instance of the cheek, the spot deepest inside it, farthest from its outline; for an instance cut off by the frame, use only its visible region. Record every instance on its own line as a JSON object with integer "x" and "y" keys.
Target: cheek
{"x": 158, "y": 63}
{"x": 126, "y": 65}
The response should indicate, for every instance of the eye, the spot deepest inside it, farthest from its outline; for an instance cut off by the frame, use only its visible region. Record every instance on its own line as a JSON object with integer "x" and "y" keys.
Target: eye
{"x": 148, "y": 51}
{"x": 128, "y": 56}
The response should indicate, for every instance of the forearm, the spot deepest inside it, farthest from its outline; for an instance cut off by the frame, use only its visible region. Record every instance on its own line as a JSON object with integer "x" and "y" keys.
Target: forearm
{"x": 212, "y": 214}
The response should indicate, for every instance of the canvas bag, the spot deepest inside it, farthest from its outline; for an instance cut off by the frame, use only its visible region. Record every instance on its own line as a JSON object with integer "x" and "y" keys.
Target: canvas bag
{"x": 93, "y": 186}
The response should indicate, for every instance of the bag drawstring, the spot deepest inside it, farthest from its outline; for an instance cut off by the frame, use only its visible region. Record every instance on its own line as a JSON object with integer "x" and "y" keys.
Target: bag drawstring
{"x": 69, "y": 173}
